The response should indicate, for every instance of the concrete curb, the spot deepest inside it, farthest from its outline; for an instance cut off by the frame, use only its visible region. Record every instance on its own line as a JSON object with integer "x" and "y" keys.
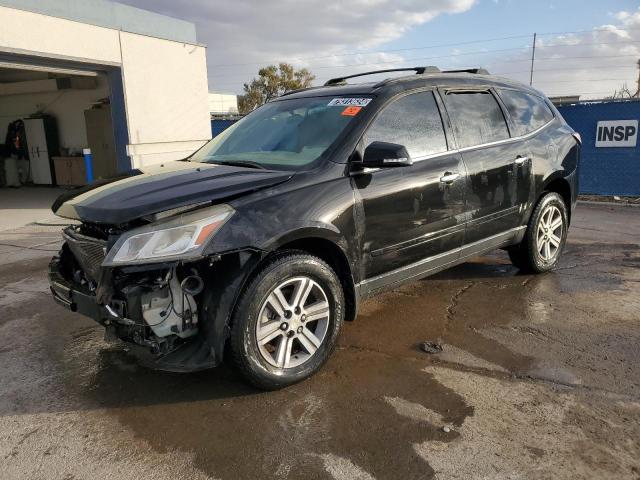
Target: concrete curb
{"x": 608, "y": 204}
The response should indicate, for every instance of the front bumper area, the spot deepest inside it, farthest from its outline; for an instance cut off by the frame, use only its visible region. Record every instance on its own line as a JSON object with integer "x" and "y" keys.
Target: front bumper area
{"x": 187, "y": 355}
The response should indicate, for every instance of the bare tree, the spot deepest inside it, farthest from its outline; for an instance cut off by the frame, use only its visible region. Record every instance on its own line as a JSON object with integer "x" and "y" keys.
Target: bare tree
{"x": 625, "y": 92}
{"x": 622, "y": 92}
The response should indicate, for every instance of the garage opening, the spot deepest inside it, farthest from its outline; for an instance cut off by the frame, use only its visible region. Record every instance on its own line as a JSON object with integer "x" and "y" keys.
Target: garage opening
{"x": 48, "y": 117}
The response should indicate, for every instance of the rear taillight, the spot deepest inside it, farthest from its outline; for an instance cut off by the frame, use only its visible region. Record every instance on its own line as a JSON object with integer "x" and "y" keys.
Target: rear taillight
{"x": 578, "y": 138}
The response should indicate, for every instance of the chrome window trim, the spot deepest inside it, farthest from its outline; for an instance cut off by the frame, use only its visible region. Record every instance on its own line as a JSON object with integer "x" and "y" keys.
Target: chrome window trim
{"x": 457, "y": 150}
{"x": 467, "y": 149}
{"x": 485, "y": 145}
{"x": 508, "y": 140}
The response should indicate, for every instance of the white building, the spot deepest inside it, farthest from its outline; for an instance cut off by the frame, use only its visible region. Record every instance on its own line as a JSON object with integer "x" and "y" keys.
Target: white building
{"x": 127, "y": 83}
{"x": 223, "y": 104}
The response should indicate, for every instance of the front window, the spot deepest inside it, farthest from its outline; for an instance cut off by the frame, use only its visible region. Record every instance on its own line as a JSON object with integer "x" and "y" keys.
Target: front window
{"x": 412, "y": 121}
{"x": 285, "y": 135}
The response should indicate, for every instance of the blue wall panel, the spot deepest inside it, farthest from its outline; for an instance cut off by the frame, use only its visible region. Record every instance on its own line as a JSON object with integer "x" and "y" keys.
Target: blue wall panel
{"x": 219, "y": 126}
{"x": 605, "y": 171}
{"x": 119, "y": 119}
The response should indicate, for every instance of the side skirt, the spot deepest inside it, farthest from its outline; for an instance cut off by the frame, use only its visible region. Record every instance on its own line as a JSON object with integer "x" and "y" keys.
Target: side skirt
{"x": 437, "y": 263}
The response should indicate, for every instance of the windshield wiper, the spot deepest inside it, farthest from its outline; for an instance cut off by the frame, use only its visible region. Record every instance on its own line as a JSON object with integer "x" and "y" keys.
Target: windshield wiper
{"x": 237, "y": 163}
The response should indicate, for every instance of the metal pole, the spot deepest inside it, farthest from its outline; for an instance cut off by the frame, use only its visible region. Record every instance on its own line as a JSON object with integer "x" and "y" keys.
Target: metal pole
{"x": 533, "y": 58}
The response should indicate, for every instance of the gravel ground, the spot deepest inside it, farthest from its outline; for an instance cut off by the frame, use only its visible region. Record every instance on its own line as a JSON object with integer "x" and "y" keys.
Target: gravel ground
{"x": 539, "y": 378}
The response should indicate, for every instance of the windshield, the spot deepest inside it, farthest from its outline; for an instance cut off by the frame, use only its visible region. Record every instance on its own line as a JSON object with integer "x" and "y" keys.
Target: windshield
{"x": 287, "y": 134}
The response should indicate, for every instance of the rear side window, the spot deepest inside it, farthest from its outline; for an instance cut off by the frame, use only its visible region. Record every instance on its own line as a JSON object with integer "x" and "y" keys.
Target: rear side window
{"x": 527, "y": 111}
{"x": 413, "y": 121}
{"x": 476, "y": 118}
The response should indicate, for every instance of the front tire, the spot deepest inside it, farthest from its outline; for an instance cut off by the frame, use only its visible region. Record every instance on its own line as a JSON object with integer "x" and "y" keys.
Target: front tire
{"x": 287, "y": 321}
{"x": 545, "y": 237}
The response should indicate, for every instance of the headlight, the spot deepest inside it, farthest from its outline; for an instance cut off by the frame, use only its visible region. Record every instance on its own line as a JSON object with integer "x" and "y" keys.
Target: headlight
{"x": 179, "y": 237}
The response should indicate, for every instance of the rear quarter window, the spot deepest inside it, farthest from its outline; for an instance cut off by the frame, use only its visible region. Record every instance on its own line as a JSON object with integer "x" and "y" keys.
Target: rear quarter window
{"x": 528, "y": 112}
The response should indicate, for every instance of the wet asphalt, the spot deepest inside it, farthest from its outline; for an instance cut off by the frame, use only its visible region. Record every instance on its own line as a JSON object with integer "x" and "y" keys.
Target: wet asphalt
{"x": 539, "y": 377}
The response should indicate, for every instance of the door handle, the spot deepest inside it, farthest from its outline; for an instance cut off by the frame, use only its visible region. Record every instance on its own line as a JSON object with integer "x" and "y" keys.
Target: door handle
{"x": 449, "y": 177}
{"x": 521, "y": 161}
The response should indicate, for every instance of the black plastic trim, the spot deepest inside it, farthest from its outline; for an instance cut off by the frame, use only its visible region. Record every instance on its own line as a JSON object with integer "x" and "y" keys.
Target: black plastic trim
{"x": 437, "y": 263}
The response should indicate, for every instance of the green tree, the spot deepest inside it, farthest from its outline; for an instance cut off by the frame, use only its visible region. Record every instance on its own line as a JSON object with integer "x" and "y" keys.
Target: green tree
{"x": 272, "y": 82}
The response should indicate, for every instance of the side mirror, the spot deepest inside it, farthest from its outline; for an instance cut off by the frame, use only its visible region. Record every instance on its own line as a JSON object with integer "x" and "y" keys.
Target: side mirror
{"x": 386, "y": 155}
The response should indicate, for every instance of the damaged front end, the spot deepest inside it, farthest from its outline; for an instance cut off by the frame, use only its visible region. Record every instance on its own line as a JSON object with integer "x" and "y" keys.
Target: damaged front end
{"x": 146, "y": 285}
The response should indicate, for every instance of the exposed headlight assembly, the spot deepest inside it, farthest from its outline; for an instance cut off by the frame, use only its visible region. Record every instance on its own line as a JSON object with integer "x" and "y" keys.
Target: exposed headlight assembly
{"x": 180, "y": 237}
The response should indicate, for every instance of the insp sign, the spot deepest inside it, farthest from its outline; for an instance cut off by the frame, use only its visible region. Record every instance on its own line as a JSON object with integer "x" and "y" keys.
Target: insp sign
{"x": 617, "y": 133}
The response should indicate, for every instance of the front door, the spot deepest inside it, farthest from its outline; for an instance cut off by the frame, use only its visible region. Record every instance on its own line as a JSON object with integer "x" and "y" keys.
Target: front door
{"x": 494, "y": 162}
{"x": 416, "y": 212}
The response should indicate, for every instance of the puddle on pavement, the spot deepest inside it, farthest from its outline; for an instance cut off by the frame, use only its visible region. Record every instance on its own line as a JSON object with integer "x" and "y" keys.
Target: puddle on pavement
{"x": 344, "y": 411}
{"x": 450, "y": 308}
{"x": 237, "y": 432}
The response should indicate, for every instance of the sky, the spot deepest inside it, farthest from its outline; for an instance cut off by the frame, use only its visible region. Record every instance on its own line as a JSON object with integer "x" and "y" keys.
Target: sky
{"x": 583, "y": 47}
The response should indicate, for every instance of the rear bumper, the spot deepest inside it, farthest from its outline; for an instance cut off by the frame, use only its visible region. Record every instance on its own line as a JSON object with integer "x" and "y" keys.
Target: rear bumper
{"x": 573, "y": 180}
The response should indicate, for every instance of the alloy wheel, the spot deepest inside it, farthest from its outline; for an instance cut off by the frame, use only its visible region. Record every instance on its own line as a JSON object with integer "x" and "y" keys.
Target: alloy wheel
{"x": 549, "y": 233}
{"x": 293, "y": 322}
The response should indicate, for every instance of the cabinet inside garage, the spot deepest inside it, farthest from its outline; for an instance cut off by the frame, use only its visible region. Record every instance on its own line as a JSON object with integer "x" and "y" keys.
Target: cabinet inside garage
{"x": 47, "y": 119}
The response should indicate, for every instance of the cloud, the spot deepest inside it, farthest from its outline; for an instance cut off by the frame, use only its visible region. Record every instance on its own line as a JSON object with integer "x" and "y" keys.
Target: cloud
{"x": 243, "y": 34}
{"x": 323, "y": 35}
{"x": 593, "y": 63}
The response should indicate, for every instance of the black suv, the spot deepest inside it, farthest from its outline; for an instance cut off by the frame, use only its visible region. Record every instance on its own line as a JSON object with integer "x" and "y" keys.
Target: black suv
{"x": 269, "y": 236}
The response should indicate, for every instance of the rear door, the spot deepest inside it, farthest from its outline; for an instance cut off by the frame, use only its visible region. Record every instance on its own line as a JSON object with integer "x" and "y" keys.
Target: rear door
{"x": 494, "y": 162}
{"x": 530, "y": 117}
{"x": 416, "y": 212}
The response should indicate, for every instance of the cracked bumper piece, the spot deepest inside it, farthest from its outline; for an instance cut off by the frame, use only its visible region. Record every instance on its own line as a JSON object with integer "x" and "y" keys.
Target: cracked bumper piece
{"x": 72, "y": 298}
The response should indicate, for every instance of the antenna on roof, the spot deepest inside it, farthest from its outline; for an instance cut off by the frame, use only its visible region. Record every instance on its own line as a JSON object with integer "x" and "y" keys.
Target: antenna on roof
{"x": 418, "y": 70}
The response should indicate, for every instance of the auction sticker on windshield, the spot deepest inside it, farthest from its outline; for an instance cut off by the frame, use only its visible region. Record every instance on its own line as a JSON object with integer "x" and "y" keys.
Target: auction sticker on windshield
{"x": 349, "y": 102}
{"x": 351, "y": 111}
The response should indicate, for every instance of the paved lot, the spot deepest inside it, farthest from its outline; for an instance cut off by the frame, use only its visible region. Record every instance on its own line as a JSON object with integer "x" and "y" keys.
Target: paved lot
{"x": 539, "y": 378}
{"x": 24, "y": 205}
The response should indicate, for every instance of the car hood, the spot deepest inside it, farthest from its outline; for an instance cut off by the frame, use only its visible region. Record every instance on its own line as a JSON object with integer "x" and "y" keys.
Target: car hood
{"x": 159, "y": 188}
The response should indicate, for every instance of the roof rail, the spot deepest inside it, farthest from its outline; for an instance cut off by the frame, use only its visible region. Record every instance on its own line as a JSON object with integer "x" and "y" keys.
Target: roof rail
{"x": 418, "y": 70}
{"x": 475, "y": 71}
{"x": 297, "y": 90}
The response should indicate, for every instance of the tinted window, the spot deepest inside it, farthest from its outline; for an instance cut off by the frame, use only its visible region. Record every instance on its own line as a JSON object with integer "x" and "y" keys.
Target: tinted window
{"x": 527, "y": 111}
{"x": 476, "y": 118}
{"x": 413, "y": 121}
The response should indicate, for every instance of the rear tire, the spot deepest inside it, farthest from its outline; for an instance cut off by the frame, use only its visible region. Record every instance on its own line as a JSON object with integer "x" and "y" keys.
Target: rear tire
{"x": 545, "y": 237}
{"x": 287, "y": 321}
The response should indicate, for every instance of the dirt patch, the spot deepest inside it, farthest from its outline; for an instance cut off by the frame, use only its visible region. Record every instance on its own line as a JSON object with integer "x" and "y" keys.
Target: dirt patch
{"x": 525, "y": 430}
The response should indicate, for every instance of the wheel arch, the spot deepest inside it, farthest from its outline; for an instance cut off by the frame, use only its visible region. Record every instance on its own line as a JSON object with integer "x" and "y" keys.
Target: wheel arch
{"x": 562, "y": 187}
{"x": 334, "y": 255}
